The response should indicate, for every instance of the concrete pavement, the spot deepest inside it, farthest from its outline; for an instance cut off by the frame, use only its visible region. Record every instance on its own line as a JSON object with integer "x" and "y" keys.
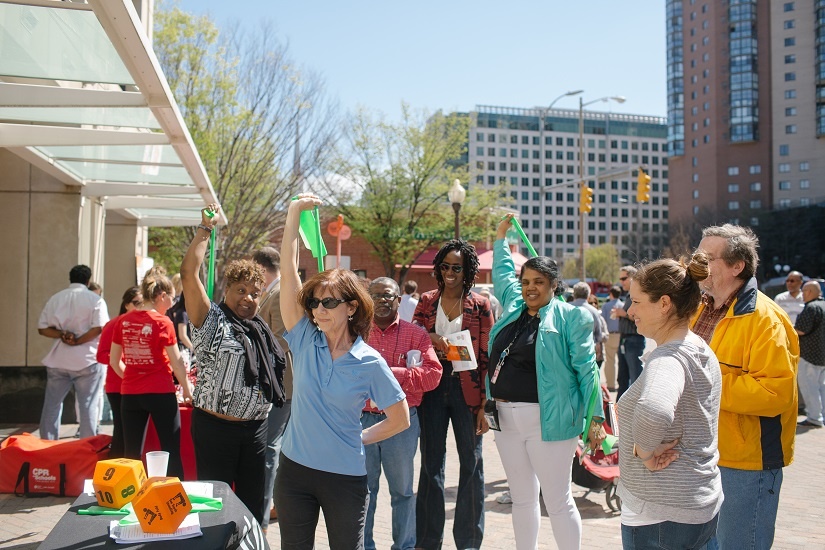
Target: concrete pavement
{"x": 25, "y": 522}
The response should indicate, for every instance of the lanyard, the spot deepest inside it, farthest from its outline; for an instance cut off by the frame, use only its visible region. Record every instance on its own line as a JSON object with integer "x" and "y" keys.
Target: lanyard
{"x": 506, "y": 351}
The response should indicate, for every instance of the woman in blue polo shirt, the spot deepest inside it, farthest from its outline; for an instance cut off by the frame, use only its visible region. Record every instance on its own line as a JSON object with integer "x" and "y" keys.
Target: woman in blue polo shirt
{"x": 322, "y": 458}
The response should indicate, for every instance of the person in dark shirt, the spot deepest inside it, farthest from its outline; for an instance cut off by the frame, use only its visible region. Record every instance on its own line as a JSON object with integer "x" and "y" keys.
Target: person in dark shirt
{"x": 810, "y": 326}
{"x": 631, "y": 343}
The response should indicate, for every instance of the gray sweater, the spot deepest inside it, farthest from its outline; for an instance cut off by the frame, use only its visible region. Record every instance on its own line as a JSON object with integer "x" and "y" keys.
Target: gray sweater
{"x": 677, "y": 396}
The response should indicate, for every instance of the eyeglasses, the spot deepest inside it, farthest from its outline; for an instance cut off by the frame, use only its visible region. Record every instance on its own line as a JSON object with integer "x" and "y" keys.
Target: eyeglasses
{"x": 329, "y": 303}
{"x": 384, "y": 297}
{"x": 446, "y": 267}
{"x": 623, "y": 278}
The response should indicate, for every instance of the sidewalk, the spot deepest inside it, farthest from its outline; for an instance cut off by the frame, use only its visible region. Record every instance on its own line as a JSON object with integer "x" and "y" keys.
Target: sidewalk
{"x": 25, "y": 522}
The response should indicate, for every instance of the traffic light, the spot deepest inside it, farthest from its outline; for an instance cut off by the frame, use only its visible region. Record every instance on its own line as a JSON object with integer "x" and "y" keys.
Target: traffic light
{"x": 586, "y": 201}
{"x": 643, "y": 189}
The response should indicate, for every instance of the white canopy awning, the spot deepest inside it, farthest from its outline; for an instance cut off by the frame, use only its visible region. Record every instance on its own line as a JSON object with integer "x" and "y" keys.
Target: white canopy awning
{"x": 83, "y": 97}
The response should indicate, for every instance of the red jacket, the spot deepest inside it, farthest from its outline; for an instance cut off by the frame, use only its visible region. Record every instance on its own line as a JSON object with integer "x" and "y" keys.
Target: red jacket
{"x": 478, "y": 319}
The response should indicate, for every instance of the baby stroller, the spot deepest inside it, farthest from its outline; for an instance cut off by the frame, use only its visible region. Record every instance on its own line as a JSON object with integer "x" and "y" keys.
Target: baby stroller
{"x": 600, "y": 472}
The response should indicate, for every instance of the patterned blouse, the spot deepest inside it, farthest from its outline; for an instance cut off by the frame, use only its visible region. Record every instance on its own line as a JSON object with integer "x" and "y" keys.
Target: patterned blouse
{"x": 221, "y": 358}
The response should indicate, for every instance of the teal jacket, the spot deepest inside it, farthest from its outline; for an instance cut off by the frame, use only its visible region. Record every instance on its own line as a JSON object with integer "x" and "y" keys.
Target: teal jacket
{"x": 567, "y": 374}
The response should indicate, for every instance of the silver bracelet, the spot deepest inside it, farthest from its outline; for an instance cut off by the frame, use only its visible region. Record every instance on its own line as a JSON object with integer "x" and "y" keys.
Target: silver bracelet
{"x": 205, "y": 227}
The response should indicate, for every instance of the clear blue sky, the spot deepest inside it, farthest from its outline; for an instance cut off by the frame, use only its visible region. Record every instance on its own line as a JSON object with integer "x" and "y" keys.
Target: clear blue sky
{"x": 453, "y": 55}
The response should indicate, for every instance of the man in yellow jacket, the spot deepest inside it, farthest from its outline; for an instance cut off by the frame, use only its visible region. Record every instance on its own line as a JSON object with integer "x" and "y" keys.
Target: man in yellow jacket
{"x": 758, "y": 352}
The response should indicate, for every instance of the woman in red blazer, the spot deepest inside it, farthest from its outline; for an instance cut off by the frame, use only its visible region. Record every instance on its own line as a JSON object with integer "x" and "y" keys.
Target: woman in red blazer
{"x": 458, "y": 399}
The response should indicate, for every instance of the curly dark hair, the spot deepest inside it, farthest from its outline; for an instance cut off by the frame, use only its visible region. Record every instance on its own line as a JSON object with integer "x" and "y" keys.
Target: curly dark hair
{"x": 547, "y": 267}
{"x": 244, "y": 270}
{"x": 469, "y": 258}
{"x": 347, "y": 285}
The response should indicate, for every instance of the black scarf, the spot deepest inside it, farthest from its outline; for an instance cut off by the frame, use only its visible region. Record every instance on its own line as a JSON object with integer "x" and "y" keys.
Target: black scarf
{"x": 258, "y": 343}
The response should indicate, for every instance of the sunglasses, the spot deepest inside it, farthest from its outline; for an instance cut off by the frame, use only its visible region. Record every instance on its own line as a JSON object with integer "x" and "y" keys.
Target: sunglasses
{"x": 384, "y": 297}
{"x": 329, "y": 303}
{"x": 455, "y": 267}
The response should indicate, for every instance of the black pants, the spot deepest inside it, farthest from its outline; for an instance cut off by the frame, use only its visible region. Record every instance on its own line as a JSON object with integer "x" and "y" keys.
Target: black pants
{"x": 116, "y": 451}
{"x": 163, "y": 408}
{"x": 300, "y": 494}
{"x": 233, "y": 451}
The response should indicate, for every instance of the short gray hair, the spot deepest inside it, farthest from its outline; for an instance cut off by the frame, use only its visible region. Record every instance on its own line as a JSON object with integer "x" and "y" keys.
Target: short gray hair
{"x": 629, "y": 269}
{"x": 581, "y": 290}
{"x": 742, "y": 243}
{"x": 387, "y": 281}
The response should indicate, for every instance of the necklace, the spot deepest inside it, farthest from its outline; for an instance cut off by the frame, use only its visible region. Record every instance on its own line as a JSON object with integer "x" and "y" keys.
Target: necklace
{"x": 452, "y": 309}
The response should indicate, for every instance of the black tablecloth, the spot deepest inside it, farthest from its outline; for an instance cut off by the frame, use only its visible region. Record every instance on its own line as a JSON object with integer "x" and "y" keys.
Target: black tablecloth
{"x": 232, "y": 527}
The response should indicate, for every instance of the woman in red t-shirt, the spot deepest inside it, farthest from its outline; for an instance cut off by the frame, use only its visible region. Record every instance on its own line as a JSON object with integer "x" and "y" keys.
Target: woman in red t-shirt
{"x": 145, "y": 352}
{"x": 131, "y": 300}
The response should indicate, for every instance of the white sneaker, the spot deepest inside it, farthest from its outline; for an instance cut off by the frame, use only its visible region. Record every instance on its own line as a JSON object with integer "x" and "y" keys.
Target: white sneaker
{"x": 505, "y": 498}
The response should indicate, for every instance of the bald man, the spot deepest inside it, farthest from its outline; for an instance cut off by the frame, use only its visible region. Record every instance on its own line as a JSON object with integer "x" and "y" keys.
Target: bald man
{"x": 791, "y": 301}
{"x": 810, "y": 325}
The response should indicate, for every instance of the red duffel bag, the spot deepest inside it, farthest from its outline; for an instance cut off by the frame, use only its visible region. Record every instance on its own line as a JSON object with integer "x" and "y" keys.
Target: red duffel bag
{"x": 32, "y": 466}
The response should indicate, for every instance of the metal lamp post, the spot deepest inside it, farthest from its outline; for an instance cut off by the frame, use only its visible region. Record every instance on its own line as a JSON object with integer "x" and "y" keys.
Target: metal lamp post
{"x": 456, "y": 194}
{"x": 583, "y": 182}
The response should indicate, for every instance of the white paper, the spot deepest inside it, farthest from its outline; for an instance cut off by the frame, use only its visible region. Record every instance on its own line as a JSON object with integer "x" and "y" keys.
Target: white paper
{"x": 125, "y": 534}
{"x": 88, "y": 488}
{"x": 198, "y": 488}
{"x": 463, "y": 339}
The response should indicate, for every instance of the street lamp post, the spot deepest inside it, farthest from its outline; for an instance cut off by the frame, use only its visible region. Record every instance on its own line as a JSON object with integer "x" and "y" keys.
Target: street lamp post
{"x": 456, "y": 194}
{"x": 583, "y": 182}
{"x": 542, "y": 116}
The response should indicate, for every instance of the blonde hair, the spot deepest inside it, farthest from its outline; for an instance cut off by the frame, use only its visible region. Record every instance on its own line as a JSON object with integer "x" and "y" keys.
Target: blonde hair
{"x": 677, "y": 280}
{"x": 155, "y": 283}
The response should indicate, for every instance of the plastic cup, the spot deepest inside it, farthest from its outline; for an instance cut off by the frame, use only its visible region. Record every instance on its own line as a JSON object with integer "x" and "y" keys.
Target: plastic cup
{"x": 156, "y": 463}
{"x": 413, "y": 358}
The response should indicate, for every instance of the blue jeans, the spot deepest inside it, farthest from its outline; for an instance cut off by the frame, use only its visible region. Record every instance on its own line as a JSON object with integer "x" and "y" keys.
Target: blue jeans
{"x": 395, "y": 455}
{"x": 87, "y": 383}
{"x": 747, "y": 519}
{"x": 439, "y": 408}
{"x": 631, "y": 349}
{"x": 278, "y": 419}
{"x": 669, "y": 534}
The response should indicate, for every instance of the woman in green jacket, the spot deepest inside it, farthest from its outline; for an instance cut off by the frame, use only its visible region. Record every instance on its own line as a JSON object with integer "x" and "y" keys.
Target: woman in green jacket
{"x": 544, "y": 380}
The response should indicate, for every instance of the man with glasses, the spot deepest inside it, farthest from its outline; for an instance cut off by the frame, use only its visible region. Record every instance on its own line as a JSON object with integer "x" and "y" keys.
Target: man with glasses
{"x": 631, "y": 343}
{"x": 791, "y": 301}
{"x": 408, "y": 351}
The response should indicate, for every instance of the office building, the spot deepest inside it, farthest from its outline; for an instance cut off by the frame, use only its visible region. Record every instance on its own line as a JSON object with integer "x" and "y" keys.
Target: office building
{"x": 536, "y": 152}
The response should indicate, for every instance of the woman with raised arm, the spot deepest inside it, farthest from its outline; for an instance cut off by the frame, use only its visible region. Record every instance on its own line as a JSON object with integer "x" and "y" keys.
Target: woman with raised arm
{"x": 322, "y": 465}
{"x": 670, "y": 482}
{"x": 240, "y": 373}
{"x": 544, "y": 380}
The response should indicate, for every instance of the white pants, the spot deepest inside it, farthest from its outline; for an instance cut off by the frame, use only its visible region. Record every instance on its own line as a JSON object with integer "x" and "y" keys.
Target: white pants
{"x": 812, "y": 385}
{"x": 530, "y": 464}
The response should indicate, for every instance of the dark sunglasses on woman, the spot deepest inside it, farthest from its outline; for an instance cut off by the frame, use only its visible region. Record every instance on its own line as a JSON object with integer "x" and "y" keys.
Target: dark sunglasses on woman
{"x": 329, "y": 303}
{"x": 446, "y": 267}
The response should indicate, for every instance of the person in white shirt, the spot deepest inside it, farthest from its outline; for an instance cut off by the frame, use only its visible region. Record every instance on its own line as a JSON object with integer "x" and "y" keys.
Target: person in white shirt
{"x": 74, "y": 317}
{"x": 408, "y": 301}
{"x": 791, "y": 301}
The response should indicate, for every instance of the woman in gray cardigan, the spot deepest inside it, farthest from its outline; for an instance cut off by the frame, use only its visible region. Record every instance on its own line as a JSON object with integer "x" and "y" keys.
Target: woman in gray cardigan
{"x": 670, "y": 484}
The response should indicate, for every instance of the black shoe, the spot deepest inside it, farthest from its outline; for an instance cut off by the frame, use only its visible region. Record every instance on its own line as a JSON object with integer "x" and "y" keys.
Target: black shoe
{"x": 807, "y": 424}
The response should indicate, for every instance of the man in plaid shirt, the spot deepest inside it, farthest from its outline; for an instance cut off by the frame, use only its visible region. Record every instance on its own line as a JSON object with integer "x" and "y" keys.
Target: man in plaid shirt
{"x": 408, "y": 351}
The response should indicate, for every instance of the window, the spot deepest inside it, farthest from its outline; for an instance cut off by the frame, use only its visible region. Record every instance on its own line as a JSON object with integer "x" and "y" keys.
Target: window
{"x": 733, "y": 205}
{"x": 804, "y": 184}
{"x": 787, "y": 6}
{"x": 789, "y": 24}
{"x": 784, "y": 203}
{"x": 480, "y": 151}
{"x": 790, "y": 111}
{"x": 790, "y": 94}
{"x": 784, "y": 168}
{"x": 790, "y": 128}
{"x": 695, "y": 193}
{"x": 790, "y": 59}
{"x": 790, "y": 41}
{"x": 804, "y": 201}
{"x": 525, "y": 140}
{"x": 695, "y": 178}
{"x": 491, "y": 138}
{"x": 756, "y": 186}
{"x": 479, "y": 136}
{"x": 790, "y": 77}
{"x": 784, "y": 150}
{"x": 755, "y": 169}
{"x": 754, "y": 221}
{"x": 733, "y": 170}
{"x": 784, "y": 185}
{"x": 733, "y": 188}
{"x": 804, "y": 166}
{"x": 525, "y": 154}
{"x": 756, "y": 203}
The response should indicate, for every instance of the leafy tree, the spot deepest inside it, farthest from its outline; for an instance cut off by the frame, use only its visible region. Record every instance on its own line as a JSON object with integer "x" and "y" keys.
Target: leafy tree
{"x": 398, "y": 176}
{"x": 247, "y": 105}
{"x": 602, "y": 263}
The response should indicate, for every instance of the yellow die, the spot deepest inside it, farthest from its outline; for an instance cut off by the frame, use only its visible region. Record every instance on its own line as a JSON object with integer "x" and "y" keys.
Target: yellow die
{"x": 161, "y": 505}
{"x": 117, "y": 481}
